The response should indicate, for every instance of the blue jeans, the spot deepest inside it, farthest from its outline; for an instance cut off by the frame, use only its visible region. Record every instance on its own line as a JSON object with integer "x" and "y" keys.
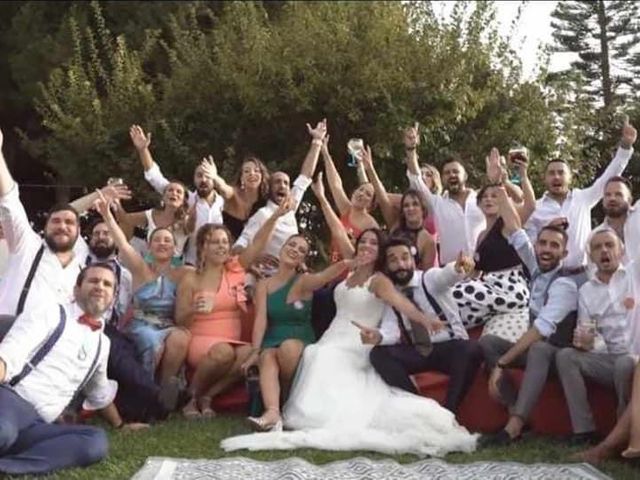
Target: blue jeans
{"x": 29, "y": 445}
{"x": 149, "y": 340}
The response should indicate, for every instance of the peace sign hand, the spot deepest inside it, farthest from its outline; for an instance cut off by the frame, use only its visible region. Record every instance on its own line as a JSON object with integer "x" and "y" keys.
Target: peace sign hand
{"x": 629, "y": 133}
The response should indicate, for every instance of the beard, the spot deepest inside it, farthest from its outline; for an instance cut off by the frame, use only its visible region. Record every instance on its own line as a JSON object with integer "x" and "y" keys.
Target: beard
{"x": 401, "y": 277}
{"x": 59, "y": 247}
{"x": 454, "y": 187}
{"x": 204, "y": 189}
{"x": 102, "y": 251}
{"x": 616, "y": 212}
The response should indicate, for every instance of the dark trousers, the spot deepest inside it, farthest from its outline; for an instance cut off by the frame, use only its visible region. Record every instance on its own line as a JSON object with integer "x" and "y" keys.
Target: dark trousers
{"x": 138, "y": 396}
{"x": 29, "y": 445}
{"x": 460, "y": 359}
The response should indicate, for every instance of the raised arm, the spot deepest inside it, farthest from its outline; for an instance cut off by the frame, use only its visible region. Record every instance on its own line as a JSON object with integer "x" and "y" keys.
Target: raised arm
{"x": 152, "y": 172}
{"x": 336, "y": 228}
{"x": 311, "y": 282}
{"x": 594, "y": 193}
{"x": 311, "y": 160}
{"x": 6, "y": 180}
{"x": 333, "y": 179}
{"x": 261, "y": 239}
{"x": 411, "y": 142}
{"x": 528, "y": 195}
{"x": 382, "y": 287}
{"x": 389, "y": 212}
{"x": 114, "y": 193}
{"x": 130, "y": 258}
{"x": 210, "y": 169}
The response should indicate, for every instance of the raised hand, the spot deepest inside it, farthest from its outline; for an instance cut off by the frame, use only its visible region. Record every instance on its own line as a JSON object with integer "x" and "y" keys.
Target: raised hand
{"x": 209, "y": 167}
{"x": 102, "y": 206}
{"x": 629, "y": 133}
{"x": 320, "y": 131}
{"x": 367, "y": 157}
{"x": 522, "y": 166}
{"x": 318, "y": 187}
{"x": 494, "y": 166}
{"x": 116, "y": 192}
{"x": 412, "y": 137}
{"x": 138, "y": 137}
{"x": 286, "y": 206}
{"x": 464, "y": 264}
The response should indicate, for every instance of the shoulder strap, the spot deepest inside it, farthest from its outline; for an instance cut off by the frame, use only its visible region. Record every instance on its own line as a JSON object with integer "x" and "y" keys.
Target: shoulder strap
{"x": 554, "y": 277}
{"x": 29, "y": 280}
{"x": 92, "y": 368}
{"x": 43, "y": 350}
{"x": 432, "y": 301}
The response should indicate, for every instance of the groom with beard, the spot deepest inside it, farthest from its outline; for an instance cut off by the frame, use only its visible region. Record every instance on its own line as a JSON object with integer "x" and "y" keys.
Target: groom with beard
{"x": 403, "y": 348}
{"x": 139, "y": 398}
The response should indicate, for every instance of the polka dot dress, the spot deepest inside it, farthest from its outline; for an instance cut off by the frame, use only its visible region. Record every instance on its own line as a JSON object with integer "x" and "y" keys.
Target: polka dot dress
{"x": 498, "y": 300}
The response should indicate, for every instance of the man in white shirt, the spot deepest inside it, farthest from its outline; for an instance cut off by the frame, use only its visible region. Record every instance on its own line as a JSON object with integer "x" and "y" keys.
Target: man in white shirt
{"x": 50, "y": 354}
{"x": 458, "y": 218}
{"x": 601, "y": 339}
{"x": 559, "y": 201}
{"x": 623, "y": 218}
{"x": 51, "y": 265}
{"x": 205, "y": 202}
{"x": 279, "y": 192}
{"x": 395, "y": 356}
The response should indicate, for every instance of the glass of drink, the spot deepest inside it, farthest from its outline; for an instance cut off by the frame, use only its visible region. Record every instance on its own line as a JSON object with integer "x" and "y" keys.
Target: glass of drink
{"x": 205, "y": 300}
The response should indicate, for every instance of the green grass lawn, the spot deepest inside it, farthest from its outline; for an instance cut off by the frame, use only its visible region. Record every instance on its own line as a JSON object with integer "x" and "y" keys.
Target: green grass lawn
{"x": 201, "y": 439}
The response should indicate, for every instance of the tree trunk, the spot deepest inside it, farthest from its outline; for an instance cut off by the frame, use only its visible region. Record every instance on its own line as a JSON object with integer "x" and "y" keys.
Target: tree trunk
{"x": 607, "y": 93}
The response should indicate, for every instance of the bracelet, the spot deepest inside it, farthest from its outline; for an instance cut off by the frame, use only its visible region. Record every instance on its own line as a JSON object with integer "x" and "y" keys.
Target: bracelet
{"x": 316, "y": 141}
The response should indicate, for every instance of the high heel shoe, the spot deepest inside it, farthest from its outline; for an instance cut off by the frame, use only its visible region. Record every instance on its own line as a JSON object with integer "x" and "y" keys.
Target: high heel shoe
{"x": 205, "y": 407}
{"x": 259, "y": 424}
{"x": 631, "y": 453}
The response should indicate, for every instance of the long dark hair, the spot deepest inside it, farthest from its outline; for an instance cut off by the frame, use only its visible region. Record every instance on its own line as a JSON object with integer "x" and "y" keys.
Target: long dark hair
{"x": 380, "y": 235}
{"x": 264, "y": 171}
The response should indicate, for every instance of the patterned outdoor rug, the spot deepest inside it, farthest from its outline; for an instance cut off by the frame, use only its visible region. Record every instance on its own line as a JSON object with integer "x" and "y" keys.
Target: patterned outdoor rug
{"x": 160, "y": 468}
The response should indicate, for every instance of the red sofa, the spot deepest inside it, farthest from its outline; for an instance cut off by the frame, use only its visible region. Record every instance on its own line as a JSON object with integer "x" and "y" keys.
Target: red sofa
{"x": 479, "y": 412}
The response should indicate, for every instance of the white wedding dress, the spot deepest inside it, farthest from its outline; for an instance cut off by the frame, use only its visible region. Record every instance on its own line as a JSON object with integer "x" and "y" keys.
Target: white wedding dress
{"x": 339, "y": 402}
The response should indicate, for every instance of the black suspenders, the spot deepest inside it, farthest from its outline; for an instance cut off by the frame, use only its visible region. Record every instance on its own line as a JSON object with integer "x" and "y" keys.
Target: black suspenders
{"x": 29, "y": 280}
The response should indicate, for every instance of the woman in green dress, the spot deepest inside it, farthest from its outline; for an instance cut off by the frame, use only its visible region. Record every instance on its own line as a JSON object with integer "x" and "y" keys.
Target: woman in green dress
{"x": 282, "y": 325}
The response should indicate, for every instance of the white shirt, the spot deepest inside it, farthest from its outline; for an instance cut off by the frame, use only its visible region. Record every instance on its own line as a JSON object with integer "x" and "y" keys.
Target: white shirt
{"x": 51, "y": 280}
{"x": 548, "y": 304}
{"x": 205, "y": 213}
{"x": 458, "y": 229}
{"x": 630, "y": 231}
{"x": 439, "y": 282}
{"x": 51, "y": 385}
{"x": 604, "y": 304}
{"x": 4, "y": 256}
{"x": 577, "y": 209}
{"x": 285, "y": 226}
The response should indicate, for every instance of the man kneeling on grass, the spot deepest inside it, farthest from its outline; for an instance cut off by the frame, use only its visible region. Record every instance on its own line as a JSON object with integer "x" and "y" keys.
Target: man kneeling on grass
{"x": 49, "y": 355}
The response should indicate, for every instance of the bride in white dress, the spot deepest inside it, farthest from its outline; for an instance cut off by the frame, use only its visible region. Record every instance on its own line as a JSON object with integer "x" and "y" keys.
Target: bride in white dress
{"x": 339, "y": 402}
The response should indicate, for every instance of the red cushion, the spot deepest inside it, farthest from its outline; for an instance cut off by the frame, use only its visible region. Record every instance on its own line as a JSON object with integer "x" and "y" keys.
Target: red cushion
{"x": 479, "y": 412}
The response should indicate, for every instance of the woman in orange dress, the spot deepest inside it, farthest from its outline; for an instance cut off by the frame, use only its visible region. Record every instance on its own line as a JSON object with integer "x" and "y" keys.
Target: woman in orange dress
{"x": 211, "y": 303}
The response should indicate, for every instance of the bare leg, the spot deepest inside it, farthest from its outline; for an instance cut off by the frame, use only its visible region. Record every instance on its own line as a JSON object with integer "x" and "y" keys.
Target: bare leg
{"x": 269, "y": 388}
{"x": 610, "y": 446}
{"x": 175, "y": 351}
{"x": 232, "y": 374}
{"x": 213, "y": 366}
{"x": 633, "y": 450}
{"x": 288, "y": 355}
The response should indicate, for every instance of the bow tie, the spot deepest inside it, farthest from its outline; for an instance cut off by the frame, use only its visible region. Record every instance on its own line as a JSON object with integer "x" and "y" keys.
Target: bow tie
{"x": 90, "y": 322}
